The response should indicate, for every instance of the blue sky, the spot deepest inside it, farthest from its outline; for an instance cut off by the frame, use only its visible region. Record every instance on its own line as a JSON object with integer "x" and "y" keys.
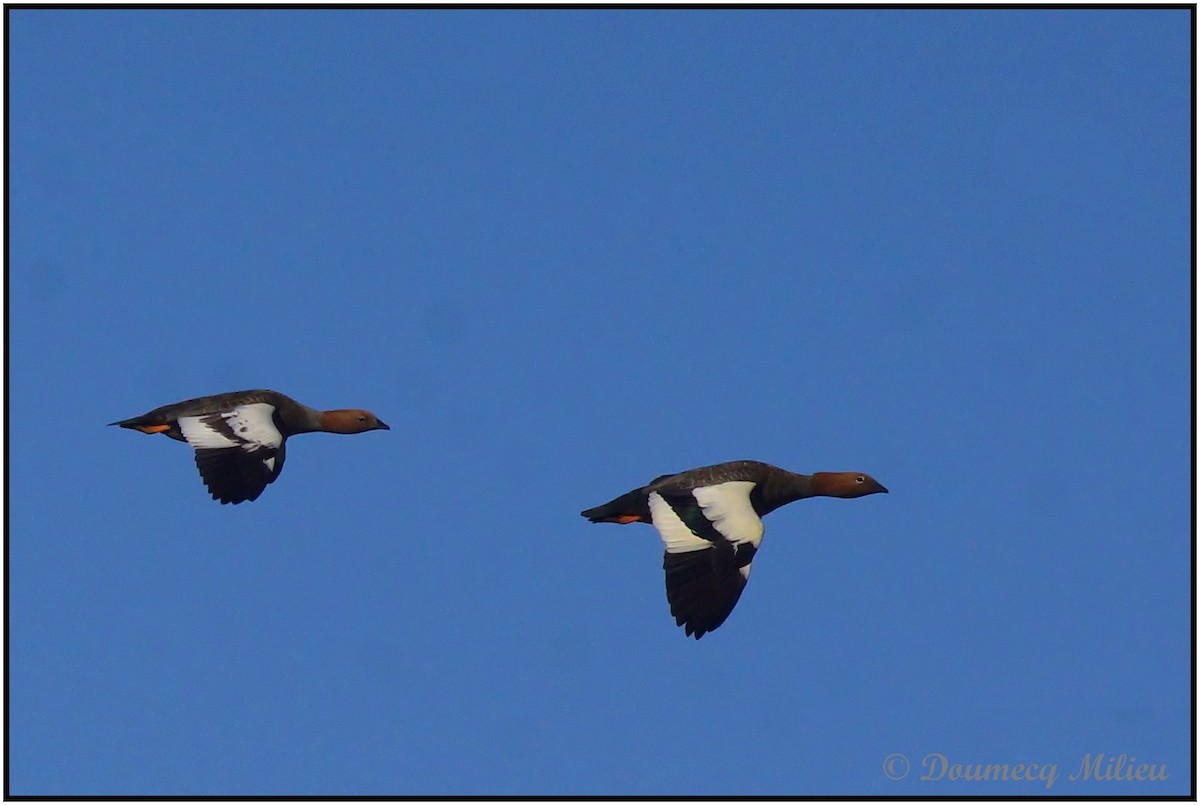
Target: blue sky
{"x": 561, "y": 253}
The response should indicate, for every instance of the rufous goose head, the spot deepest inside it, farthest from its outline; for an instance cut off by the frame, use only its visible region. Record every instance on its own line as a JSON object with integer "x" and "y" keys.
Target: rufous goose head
{"x": 845, "y": 484}
{"x": 350, "y": 420}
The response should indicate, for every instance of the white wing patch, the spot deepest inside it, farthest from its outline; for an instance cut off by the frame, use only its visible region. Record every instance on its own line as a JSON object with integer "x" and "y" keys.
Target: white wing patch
{"x": 727, "y": 507}
{"x": 674, "y": 532}
{"x": 248, "y": 426}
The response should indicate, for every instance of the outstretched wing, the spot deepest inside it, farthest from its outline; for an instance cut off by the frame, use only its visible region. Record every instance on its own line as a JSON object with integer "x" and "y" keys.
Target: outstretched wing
{"x": 711, "y": 534}
{"x": 238, "y": 452}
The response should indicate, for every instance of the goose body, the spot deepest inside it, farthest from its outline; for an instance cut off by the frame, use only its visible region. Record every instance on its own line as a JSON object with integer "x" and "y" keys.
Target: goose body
{"x": 710, "y": 522}
{"x": 239, "y": 437}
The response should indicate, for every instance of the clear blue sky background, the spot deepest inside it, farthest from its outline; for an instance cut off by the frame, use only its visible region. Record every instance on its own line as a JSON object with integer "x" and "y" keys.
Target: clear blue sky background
{"x": 562, "y": 253}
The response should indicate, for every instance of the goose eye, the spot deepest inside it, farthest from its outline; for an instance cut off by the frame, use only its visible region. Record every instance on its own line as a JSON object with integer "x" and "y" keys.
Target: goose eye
{"x": 860, "y": 480}
{"x": 362, "y": 419}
